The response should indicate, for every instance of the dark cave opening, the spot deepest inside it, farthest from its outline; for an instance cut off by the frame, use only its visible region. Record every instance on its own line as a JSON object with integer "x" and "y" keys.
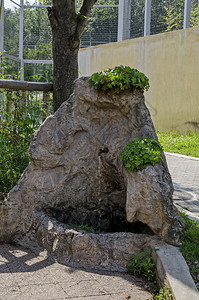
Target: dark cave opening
{"x": 109, "y": 223}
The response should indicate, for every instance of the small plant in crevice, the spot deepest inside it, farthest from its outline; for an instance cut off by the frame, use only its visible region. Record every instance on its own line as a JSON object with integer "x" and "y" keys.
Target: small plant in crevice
{"x": 164, "y": 294}
{"x": 143, "y": 264}
{"x": 84, "y": 227}
{"x": 119, "y": 79}
{"x": 140, "y": 152}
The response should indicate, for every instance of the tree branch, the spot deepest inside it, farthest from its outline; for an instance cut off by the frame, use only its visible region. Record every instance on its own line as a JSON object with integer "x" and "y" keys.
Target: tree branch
{"x": 85, "y": 10}
{"x": 86, "y": 7}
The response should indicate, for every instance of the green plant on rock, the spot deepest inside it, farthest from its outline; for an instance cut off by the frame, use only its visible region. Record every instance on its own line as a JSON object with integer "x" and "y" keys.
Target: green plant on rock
{"x": 119, "y": 79}
{"x": 140, "y": 152}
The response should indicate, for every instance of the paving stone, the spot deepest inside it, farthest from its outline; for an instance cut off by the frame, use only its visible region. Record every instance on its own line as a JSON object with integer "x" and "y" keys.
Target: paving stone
{"x": 10, "y": 293}
{"x": 65, "y": 274}
{"x": 83, "y": 288}
{"x": 42, "y": 291}
{"x": 185, "y": 176}
{"x": 104, "y": 297}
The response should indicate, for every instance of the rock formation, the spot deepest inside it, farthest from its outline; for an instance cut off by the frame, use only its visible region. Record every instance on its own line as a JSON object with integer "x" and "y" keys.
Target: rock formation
{"x": 75, "y": 174}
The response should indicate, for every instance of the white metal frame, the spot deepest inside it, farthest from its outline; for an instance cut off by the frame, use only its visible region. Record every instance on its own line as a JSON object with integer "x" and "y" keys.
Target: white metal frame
{"x": 147, "y": 18}
{"x": 124, "y": 20}
{"x": 21, "y": 40}
{"x": 187, "y": 13}
{"x": 2, "y": 28}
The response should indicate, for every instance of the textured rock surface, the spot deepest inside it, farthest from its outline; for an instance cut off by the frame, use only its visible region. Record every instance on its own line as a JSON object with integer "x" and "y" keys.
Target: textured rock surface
{"x": 75, "y": 174}
{"x": 149, "y": 200}
{"x": 110, "y": 251}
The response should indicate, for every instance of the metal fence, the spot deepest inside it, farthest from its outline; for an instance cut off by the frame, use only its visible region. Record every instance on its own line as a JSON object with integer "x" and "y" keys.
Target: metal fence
{"x": 25, "y": 33}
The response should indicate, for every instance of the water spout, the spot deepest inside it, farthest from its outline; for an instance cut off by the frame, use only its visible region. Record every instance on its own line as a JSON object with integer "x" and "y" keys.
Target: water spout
{"x": 105, "y": 150}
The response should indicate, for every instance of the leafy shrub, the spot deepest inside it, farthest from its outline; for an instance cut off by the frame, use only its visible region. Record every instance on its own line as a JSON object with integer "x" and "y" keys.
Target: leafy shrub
{"x": 16, "y": 126}
{"x": 119, "y": 79}
{"x": 140, "y": 152}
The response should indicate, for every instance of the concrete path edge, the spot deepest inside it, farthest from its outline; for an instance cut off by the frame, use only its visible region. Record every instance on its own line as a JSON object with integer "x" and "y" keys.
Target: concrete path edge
{"x": 181, "y": 156}
{"x": 173, "y": 271}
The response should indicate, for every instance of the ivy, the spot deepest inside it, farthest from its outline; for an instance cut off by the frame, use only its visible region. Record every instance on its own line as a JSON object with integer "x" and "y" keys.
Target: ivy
{"x": 140, "y": 152}
{"x": 119, "y": 79}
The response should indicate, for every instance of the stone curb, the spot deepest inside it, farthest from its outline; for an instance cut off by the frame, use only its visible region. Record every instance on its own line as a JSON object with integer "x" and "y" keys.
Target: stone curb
{"x": 182, "y": 156}
{"x": 173, "y": 271}
{"x": 188, "y": 213}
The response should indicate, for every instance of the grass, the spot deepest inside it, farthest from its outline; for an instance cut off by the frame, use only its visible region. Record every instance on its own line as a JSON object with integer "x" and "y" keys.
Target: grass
{"x": 177, "y": 143}
{"x": 190, "y": 247}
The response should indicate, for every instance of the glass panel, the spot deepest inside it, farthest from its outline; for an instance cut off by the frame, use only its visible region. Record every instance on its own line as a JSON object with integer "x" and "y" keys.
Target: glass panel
{"x": 38, "y": 72}
{"x": 194, "y": 13}
{"x": 101, "y": 27}
{"x": 167, "y": 15}
{"x": 37, "y": 34}
{"x": 11, "y": 28}
{"x": 38, "y": 2}
{"x": 137, "y": 18}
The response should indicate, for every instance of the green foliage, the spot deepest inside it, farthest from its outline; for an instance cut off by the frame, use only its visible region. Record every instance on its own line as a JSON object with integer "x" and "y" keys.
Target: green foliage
{"x": 119, "y": 79}
{"x": 140, "y": 152}
{"x": 102, "y": 25}
{"x": 164, "y": 294}
{"x": 143, "y": 264}
{"x": 17, "y": 122}
{"x": 190, "y": 245}
{"x": 184, "y": 144}
{"x": 194, "y": 13}
{"x": 37, "y": 34}
{"x": 44, "y": 1}
{"x": 2, "y": 66}
{"x": 174, "y": 15}
{"x": 78, "y": 15}
{"x": 42, "y": 51}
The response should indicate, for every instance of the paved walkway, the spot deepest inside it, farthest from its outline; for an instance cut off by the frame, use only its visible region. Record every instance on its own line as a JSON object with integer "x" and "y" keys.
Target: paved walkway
{"x": 24, "y": 275}
{"x": 184, "y": 171}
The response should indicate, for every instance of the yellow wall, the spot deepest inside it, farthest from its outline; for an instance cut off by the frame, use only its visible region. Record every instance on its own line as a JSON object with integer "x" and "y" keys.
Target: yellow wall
{"x": 171, "y": 62}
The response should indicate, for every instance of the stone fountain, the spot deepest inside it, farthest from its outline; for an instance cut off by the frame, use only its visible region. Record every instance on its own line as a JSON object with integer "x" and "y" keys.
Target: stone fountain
{"x": 75, "y": 177}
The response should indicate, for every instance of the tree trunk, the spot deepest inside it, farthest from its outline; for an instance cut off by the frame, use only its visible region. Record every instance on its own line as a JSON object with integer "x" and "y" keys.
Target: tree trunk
{"x": 67, "y": 29}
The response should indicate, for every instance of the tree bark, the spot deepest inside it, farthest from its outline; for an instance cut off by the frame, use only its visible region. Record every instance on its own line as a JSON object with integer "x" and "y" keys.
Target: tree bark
{"x": 67, "y": 28}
